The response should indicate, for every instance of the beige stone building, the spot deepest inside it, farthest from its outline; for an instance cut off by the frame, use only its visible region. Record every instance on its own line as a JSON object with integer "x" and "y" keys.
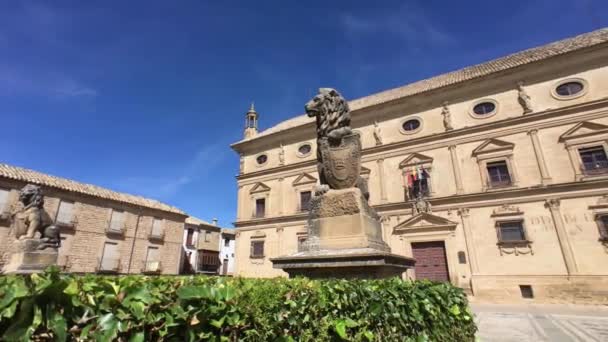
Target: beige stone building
{"x": 511, "y": 154}
{"x": 102, "y": 231}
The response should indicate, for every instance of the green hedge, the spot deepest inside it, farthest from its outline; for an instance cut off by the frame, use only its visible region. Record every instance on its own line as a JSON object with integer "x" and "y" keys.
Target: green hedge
{"x": 52, "y": 306}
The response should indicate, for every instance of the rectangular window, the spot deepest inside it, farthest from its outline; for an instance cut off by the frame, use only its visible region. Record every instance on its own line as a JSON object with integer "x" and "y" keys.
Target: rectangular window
{"x": 117, "y": 222}
{"x": 602, "y": 222}
{"x": 152, "y": 259}
{"x": 260, "y": 207}
{"x": 110, "y": 258}
{"x": 512, "y": 231}
{"x": 498, "y": 174}
{"x": 208, "y": 261}
{"x": 207, "y": 236}
{"x": 157, "y": 227}
{"x": 418, "y": 188}
{"x": 301, "y": 243}
{"x": 257, "y": 249}
{"x": 3, "y": 200}
{"x": 189, "y": 237}
{"x": 594, "y": 160}
{"x": 65, "y": 213}
{"x": 226, "y": 242}
{"x": 305, "y": 197}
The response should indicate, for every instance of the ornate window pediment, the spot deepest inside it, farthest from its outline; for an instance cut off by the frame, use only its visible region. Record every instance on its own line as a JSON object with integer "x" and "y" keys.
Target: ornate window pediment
{"x": 493, "y": 147}
{"x": 259, "y": 188}
{"x": 424, "y": 222}
{"x": 415, "y": 159}
{"x": 584, "y": 130}
{"x": 304, "y": 179}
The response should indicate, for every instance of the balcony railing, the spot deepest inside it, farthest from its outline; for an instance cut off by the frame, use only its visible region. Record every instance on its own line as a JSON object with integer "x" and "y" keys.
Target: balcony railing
{"x": 598, "y": 169}
{"x": 152, "y": 267}
{"x": 108, "y": 265}
{"x": 67, "y": 225}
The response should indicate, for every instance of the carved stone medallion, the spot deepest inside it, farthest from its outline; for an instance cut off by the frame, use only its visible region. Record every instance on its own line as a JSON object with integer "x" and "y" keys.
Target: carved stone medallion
{"x": 342, "y": 163}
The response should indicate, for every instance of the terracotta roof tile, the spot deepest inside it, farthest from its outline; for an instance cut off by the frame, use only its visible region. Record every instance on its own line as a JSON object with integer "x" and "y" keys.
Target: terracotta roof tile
{"x": 35, "y": 177}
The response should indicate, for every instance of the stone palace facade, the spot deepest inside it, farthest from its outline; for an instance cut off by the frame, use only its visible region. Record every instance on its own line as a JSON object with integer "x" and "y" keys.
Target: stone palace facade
{"x": 507, "y": 158}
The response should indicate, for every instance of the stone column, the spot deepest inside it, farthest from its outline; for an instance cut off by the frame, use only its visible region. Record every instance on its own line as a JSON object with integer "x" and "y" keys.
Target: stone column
{"x": 280, "y": 197}
{"x": 468, "y": 240}
{"x": 381, "y": 180}
{"x": 562, "y": 235}
{"x": 540, "y": 158}
{"x": 456, "y": 168}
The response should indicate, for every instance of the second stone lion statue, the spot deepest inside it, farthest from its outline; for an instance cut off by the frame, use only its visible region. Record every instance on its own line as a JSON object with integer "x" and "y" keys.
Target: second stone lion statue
{"x": 333, "y": 133}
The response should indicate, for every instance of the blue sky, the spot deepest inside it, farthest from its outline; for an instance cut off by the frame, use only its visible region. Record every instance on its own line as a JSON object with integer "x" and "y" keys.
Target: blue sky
{"x": 145, "y": 97}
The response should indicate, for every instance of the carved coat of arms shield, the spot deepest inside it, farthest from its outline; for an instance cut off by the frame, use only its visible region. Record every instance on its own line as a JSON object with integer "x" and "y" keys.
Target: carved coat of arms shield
{"x": 342, "y": 163}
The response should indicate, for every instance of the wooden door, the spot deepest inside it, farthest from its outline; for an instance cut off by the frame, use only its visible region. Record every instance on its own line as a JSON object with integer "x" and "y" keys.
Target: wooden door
{"x": 431, "y": 261}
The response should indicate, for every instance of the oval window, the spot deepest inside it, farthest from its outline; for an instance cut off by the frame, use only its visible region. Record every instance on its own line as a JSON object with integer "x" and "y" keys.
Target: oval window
{"x": 569, "y": 88}
{"x": 411, "y": 125}
{"x": 261, "y": 159}
{"x": 304, "y": 149}
{"x": 484, "y": 108}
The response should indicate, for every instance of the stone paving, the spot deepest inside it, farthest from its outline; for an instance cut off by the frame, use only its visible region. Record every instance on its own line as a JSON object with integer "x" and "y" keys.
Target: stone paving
{"x": 553, "y": 323}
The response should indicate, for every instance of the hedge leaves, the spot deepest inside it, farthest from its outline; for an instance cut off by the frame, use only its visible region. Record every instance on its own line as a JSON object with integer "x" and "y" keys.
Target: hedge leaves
{"x": 59, "y": 307}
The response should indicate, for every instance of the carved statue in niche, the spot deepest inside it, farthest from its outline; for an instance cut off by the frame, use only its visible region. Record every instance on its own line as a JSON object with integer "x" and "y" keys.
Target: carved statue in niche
{"x": 338, "y": 147}
{"x": 282, "y": 155}
{"x": 33, "y": 218}
{"x": 447, "y": 117}
{"x": 377, "y": 133}
{"x": 524, "y": 99}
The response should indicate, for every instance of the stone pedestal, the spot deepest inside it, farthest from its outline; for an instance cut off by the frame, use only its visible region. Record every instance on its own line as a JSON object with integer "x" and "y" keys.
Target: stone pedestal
{"x": 344, "y": 241}
{"x": 26, "y": 258}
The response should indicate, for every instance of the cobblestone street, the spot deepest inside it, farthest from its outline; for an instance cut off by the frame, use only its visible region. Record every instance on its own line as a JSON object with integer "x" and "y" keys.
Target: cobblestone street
{"x": 555, "y": 323}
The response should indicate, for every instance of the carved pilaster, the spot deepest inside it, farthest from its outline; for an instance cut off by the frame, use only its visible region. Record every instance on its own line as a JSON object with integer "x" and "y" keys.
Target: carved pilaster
{"x": 281, "y": 194}
{"x": 553, "y": 204}
{"x": 468, "y": 239}
{"x": 540, "y": 158}
{"x": 381, "y": 179}
{"x": 456, "y": 169}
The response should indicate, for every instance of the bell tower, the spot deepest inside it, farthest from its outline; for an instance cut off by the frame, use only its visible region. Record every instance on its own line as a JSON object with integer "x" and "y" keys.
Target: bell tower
{"x": 251, "y": 123}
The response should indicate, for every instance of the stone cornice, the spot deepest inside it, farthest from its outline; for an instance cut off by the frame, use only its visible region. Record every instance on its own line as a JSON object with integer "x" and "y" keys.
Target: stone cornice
{"x": 462, "y": 135}
{"x": 455, "y": 202}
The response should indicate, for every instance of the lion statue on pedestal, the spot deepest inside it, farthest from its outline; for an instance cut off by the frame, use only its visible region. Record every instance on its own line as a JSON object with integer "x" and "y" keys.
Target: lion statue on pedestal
{"x": 338, "y": 147}
{"x": 33, "y": 218}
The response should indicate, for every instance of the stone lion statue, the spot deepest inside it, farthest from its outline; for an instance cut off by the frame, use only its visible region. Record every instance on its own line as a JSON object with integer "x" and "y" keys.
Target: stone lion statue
{"x": 33, "y": 218}
{"x": 333, "y": 123}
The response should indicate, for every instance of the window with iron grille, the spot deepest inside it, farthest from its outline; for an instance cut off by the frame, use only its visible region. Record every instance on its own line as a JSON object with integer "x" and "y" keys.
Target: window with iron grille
{"x": 511, "y": 231}
{"x": 208, "y": 261}
{"x": 602, "y": 223}
{"x": 257, "y": 249}
{"x": 260, "y": 207}
{"x": 498, "y": 174}
{"x": 305, "y": 197}
{"x": 594, "y": 160}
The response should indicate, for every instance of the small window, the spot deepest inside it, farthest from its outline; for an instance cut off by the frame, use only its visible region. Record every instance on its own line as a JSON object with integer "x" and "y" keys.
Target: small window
{"x": 226, "y": 242}
{"x": 207, "y": 236}
{"x": 110, "y": 259}
{"x": 305, "y": 149}
{"x": 260, "y": 207}
{"x": 594, "y": 160}
{"x": 569, "y": 88}
{"x": 462, "y": 258}
{"x": 117, "y": 222}
{"x": 262, "y": 159}
{"x": 511, "y": 231}
{"x": 305, "y": 197}
{"x": 257, "y": 249}
{"x": 526, "y": 291}
{"x": 602, "y": 222}
{"x": 498, "y": 174}
{"x": 65, "y": 213}
{"x": 157, "y": 227}
{"x": 302, "y": 243}
{"x": 190, "y": 238}
{"x": 3, "y": 200}
{"x": 411, "y": 125}
{"x": 484, "y": 108}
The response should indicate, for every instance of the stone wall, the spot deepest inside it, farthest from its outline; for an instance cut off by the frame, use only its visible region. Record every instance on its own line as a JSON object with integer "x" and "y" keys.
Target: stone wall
{"x": 82, "y": 244}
